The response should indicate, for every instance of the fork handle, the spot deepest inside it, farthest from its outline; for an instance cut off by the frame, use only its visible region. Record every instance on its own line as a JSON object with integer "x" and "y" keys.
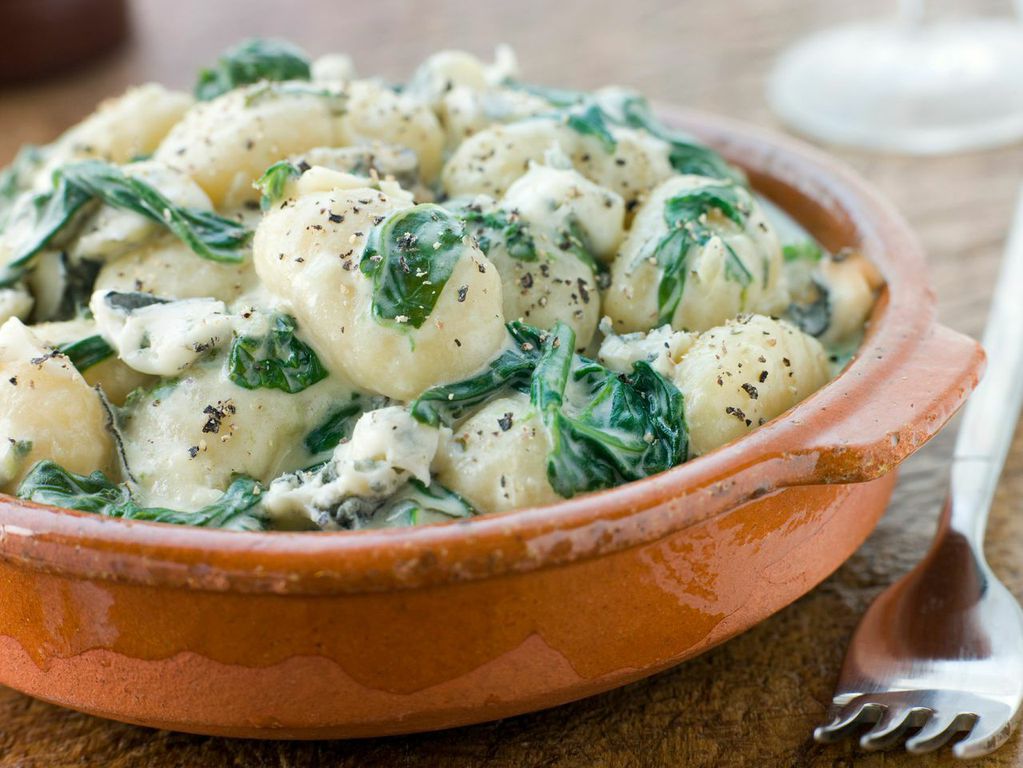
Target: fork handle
{"x": 990, "y": 416}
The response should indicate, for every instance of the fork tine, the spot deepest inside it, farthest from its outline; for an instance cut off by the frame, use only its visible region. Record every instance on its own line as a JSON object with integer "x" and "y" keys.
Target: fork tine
{"x": 988, "y": 734}
{"x": 856, "y": 712}
{"x": 937, "y": 731}
{"x": 893, "y": 724}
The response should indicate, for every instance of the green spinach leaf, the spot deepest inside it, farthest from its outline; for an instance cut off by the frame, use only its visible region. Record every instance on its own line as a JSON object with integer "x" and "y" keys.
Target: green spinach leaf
{"x": 575, "y": 242}
{"x": 418, "y": 503}
{"x": 15, "y": 178}
{"x": 808, "y": 250}
{"x": 278, "y": 360}
{"x": 51, "y": 212}
{"x": 686, "y": 155}
{"x": 499, "y": 225}
{"x": 556, "y": 97}
{"x": 49, "y": 483}
{"x": 251, "y": 62}
{"x": 512, "y": 369}
{"x": 86, "y": 352}
{"x": 273, "y": 181}
{"x": 594, "y": 113}
{"x": 336, "y": 427}
{"x": 590, "y": 121}
{"x": 410, "y": 256}
{"x": 206, "y": 233}
{"x": 604, "y": 428}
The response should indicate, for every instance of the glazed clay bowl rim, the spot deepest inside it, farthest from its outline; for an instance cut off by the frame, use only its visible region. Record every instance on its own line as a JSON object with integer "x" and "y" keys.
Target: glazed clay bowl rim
{"x": 908, "y": 378}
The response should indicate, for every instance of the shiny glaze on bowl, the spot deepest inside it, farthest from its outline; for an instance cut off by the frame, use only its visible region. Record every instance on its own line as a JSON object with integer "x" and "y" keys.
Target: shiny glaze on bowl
{"x": 377, "y": 632}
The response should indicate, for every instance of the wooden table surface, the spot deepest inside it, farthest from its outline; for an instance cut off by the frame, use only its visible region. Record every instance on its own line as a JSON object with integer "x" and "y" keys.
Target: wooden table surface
{"x": 753, "y": 701}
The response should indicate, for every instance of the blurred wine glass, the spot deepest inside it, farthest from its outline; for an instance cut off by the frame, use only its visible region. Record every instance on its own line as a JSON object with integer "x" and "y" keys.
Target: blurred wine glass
{"x": 906, "y": 85}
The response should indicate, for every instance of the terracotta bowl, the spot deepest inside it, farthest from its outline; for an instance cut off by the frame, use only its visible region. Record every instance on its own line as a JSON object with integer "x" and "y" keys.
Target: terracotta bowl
{"x": 383, "y": 632}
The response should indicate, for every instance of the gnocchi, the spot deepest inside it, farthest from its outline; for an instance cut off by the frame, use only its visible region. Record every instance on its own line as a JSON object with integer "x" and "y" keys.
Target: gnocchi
{"x": 302, "y": 299}
{"x": 48, "y": 411}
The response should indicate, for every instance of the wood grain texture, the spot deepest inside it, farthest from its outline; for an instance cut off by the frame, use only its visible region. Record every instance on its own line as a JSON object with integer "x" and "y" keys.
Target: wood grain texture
{"x": 754, "y": 701}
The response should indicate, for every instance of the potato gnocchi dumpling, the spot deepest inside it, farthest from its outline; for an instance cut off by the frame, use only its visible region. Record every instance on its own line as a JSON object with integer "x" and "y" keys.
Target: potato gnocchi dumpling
{"x": 106, "y": 370}
{"x": 301, "y": 299}
{"x": 375, "y": 160}
{"x": 469, "y": 95}
{"x": 498, "y": 458}
{"x": 122, "y": 129}
{"x": 227, "y": 143}
{"x": 186, "y": 437}
{"x": 548, "y": 237}
{"x": 742, "y": 374}
{"x": 168, "y": 267}
{"x": 47, "y": 412}
{"x": 311, "y": 252}
{"x": 629, "y": 163}
{"x": 559, "y": 202}
{"x": 699, "y": 252}
{"x": 851, "y": 283}
{"x": 374, "y": 113}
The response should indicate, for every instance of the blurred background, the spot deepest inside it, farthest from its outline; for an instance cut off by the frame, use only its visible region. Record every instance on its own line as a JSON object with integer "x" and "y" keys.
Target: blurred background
{"x": 753, "y": 701}
{"x": 706, "y": 55}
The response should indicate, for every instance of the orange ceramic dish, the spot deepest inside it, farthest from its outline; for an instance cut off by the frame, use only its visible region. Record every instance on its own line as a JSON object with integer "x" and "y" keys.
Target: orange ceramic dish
{"x": 380, "y": 632}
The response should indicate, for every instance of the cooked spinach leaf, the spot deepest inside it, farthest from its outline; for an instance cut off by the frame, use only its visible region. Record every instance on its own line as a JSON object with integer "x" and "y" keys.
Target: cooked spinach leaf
{"x": 499, "y": 225}
{"x": 578, "y": 108}
{"x": 808, "y": 250}
{"x": 126, "y": 302}
{"x": 686, "y": 216}
{"x": 593, "y": 113}
{"x": 736, "y": 270}
{"x": 556, "y": 97}
{"x": 250, "y": 62}
{"x": 410, "y": 256}
{"x": 278, "y": 360}
{"x": 334, "y": 99}
{"x": 51, "y": 212}
{"x": 590, "y": 121}
{"x": 418, "y": 503}
{"x": 550, "y": 374}
{"x": 61, "y": 287}
{"x": 49, "y": 483}
{"x": 336, "y": 427}
{"x": 15, "y": 178}
{"x": 86, "y": 352}
{"x": 604, "y": 428}
{"x": 573, "y": 241}
{"x": 273, "y": 181}
{"x": 79, "y": 280}
{"x": 686, "y": 155}
{"x": 512, "y": 369}
{"x": 209, "y": 235}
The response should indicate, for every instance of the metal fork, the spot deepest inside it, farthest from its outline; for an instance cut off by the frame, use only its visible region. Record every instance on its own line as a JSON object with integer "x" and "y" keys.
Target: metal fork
{"x": 942, "y": 649}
